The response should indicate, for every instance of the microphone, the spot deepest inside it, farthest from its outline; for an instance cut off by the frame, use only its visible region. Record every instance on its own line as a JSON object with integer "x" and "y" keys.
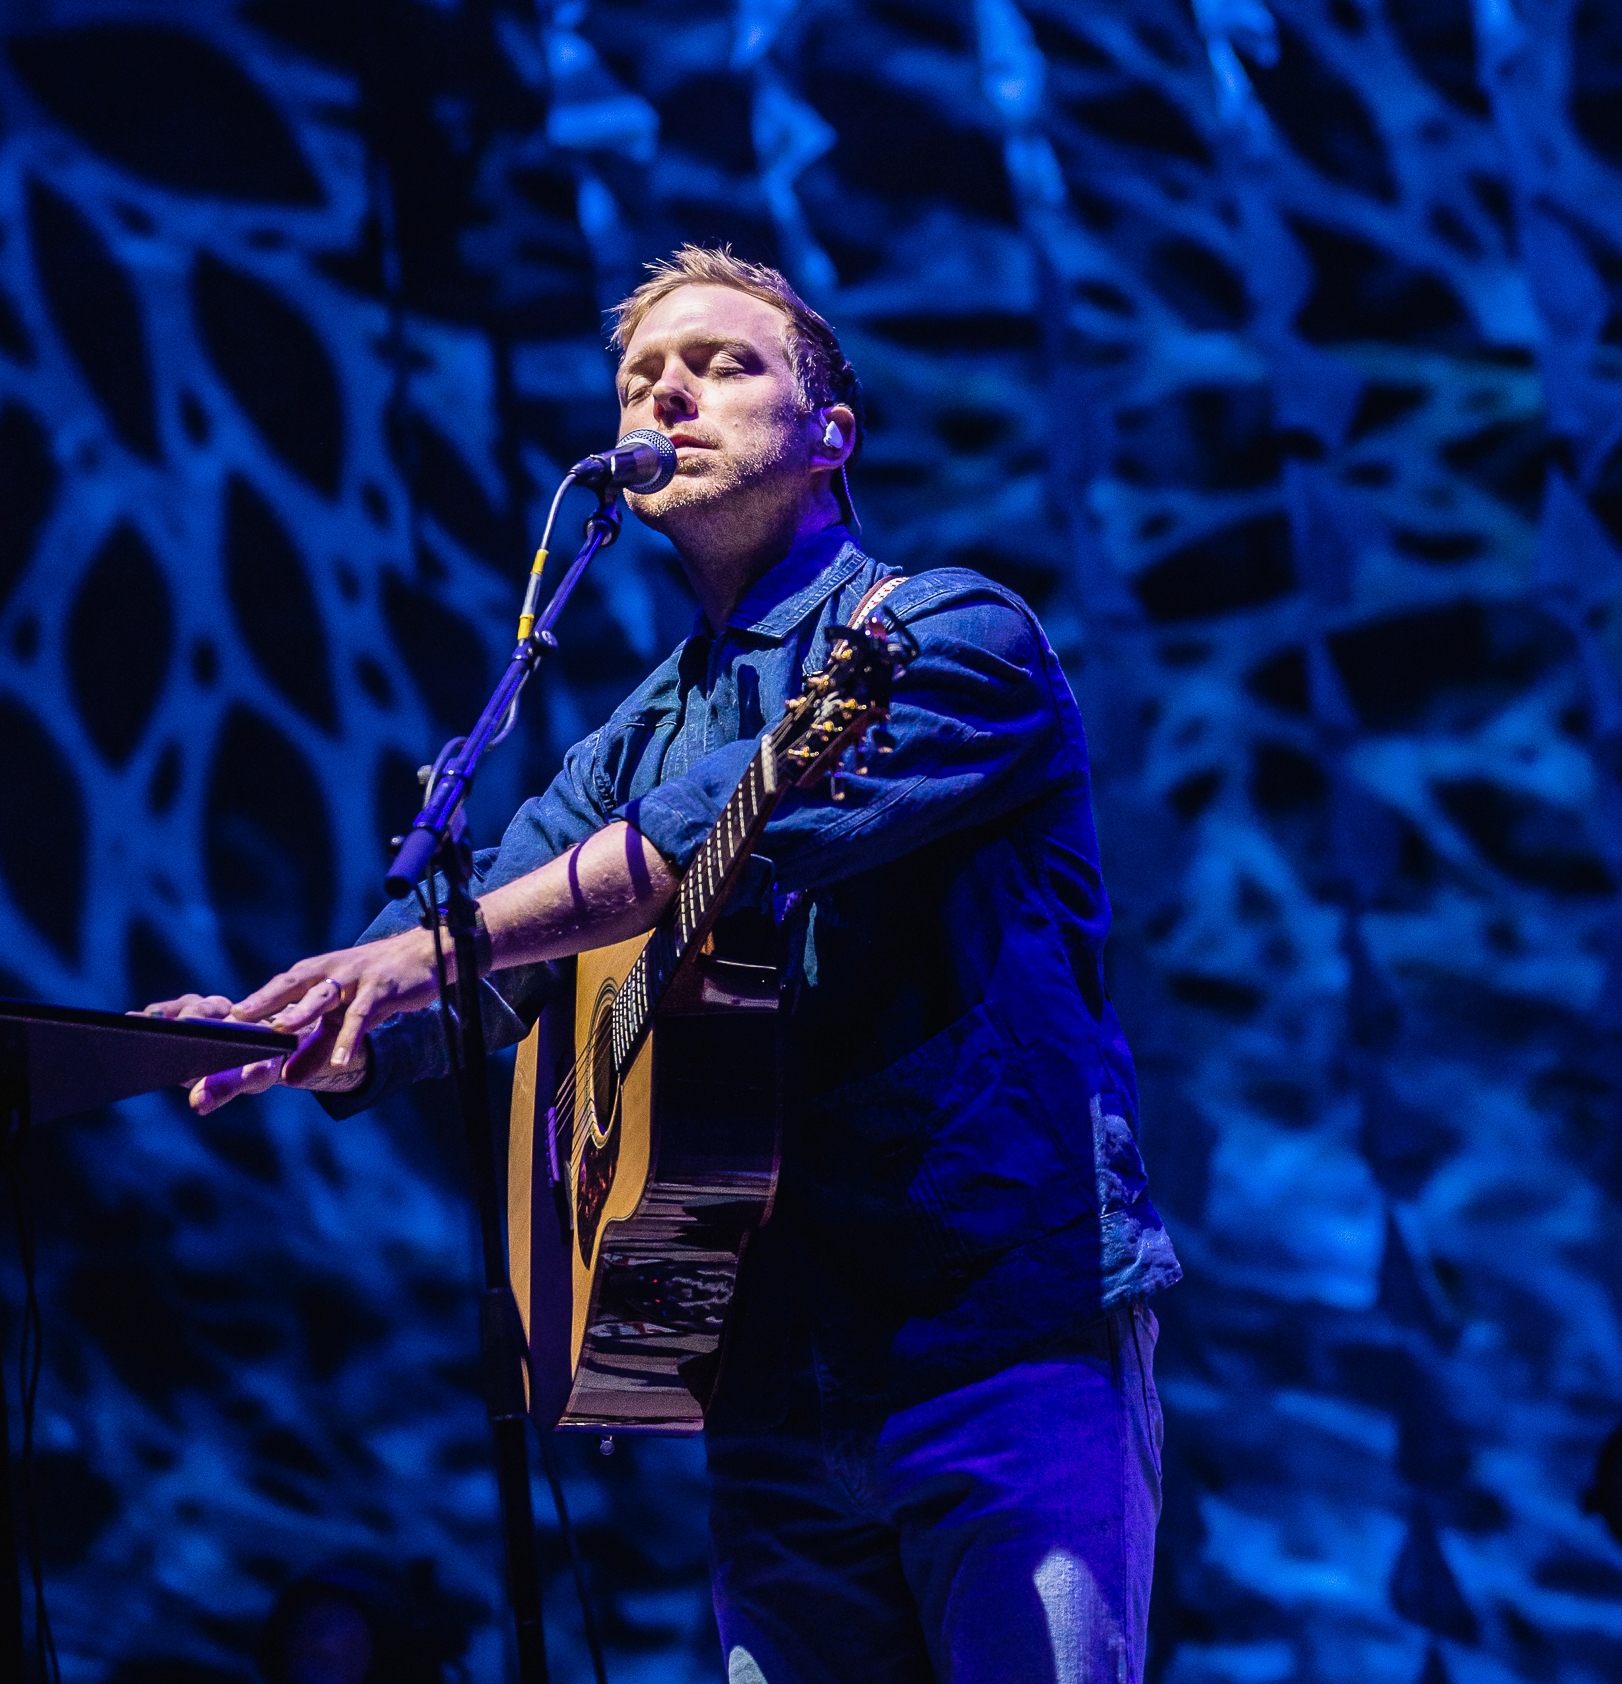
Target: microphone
{"x": 643, "y": 461}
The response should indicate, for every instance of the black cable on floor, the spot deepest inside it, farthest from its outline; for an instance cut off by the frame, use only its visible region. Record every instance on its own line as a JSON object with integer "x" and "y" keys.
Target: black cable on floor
{"x": 594, "y": 1637}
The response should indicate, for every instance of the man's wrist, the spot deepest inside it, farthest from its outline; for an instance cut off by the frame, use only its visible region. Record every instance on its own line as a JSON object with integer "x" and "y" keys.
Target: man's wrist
{"x": 484, "y": 951}
{"x": 483, "y": 947}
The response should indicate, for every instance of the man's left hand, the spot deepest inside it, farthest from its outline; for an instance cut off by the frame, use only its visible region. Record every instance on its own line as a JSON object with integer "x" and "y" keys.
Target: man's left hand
{"x": 346, "y": 993}
{"x": 329, "y": 1002}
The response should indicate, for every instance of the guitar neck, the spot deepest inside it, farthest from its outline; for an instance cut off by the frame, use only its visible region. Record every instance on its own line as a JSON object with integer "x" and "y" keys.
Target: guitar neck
{"x": 704, "y": 889}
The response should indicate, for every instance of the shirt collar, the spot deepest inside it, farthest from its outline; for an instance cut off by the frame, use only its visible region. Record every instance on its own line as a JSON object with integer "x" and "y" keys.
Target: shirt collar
{"x": 807, "y": 576}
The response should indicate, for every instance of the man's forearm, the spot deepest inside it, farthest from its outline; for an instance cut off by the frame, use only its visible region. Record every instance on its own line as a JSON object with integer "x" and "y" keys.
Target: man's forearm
{"x": 613, "y": 886}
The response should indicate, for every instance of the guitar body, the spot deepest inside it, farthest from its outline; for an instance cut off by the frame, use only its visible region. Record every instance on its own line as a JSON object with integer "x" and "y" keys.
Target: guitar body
{"x": 644, "y": 1143}
{"x": 631, "y": 1196}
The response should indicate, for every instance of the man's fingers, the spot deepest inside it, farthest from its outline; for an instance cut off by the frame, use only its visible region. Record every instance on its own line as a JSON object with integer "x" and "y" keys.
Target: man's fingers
{"x": 287, "y": 989}
{"x": 166, "y": 1008}
{"x": 210, "y": 1006}
{"x": 364, "y": 984}
{"x": 189, "y": 1006}
{"x": 331, "y": 1000}
{"x": 275, "y": 996}
{"x": 310, "y": 1062}
{"x": 322, "y": 998}
{"x": 357, "y": 1020}
{"x": 312, "y": 1067}
{"x": 225, "y": 1085}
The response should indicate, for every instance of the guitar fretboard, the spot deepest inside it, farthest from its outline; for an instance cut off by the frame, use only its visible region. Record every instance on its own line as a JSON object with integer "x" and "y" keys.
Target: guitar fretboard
{"x": 698, "y": 902}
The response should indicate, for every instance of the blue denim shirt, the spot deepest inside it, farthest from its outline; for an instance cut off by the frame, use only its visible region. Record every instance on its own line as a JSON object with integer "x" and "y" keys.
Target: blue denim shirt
{"x": 961, "y": 1184}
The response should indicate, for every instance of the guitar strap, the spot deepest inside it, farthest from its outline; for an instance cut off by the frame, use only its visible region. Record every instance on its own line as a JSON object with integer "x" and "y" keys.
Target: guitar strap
{"x": 875, "y": 595}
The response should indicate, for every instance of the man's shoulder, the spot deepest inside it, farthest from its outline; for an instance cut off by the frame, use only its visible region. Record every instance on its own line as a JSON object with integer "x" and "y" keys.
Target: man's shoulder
{"x": 936, "y": 599}
{"x": 931, "y": 589}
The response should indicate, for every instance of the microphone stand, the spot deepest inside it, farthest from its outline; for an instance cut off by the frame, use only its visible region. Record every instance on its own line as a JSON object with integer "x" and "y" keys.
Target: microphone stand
{"x": 436, "y": 840}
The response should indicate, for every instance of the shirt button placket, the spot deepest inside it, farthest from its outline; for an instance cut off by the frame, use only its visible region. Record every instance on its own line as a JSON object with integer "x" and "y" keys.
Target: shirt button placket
{"x": 715, "y": 732}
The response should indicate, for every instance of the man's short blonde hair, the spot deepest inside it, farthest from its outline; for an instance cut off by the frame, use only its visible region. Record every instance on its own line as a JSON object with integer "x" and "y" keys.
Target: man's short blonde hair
{"x": 821, "y": 370}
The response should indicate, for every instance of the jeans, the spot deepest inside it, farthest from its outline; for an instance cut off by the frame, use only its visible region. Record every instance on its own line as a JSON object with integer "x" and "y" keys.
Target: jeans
{"x": 1000, "y": 1534}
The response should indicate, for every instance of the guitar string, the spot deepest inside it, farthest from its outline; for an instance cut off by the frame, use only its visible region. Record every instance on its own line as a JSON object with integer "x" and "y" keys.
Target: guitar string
{"x": 707, "y": 880}
{"x": 714, "y": 875}
{"x": 569, "y": 1086}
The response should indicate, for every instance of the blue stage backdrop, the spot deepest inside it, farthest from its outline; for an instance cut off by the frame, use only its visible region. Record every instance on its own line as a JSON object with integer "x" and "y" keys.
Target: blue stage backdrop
{"x": 1273, "y": 351}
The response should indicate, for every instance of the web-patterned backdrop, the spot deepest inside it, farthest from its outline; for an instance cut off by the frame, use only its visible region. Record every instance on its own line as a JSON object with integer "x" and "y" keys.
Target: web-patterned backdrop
{"x": 1273, "y": 351}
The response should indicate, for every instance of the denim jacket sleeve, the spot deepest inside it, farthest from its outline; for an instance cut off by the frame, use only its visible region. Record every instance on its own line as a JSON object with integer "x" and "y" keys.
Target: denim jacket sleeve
{"x": 983, "y": 722}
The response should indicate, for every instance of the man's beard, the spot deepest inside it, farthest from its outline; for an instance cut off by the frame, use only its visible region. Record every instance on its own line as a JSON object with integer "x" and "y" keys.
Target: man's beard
{"x": 724, "y": 499}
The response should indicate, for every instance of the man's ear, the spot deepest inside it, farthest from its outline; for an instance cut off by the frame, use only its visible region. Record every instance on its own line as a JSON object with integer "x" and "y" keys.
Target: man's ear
{"x": 836, "y": 435}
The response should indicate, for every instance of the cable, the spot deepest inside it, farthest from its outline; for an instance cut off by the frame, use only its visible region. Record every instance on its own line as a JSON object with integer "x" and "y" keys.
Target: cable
{"x": 29, "y": 1360}
{"x": 532, "y": 585}
{"x": 450, "y": 748}
{"x": 594, "y": 1637}
{"x": 532, "y": 601}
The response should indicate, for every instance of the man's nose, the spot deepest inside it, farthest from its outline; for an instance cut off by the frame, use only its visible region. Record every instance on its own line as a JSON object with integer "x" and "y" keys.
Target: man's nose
{"x": 673, "y": 396}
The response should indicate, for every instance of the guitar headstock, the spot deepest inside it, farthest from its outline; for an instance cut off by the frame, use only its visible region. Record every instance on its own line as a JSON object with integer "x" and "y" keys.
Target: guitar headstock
{"x": 842, "y": 702}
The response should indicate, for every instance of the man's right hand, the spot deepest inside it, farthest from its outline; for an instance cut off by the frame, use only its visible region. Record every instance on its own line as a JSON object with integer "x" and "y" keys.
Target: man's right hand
{"x": 309, "y": 1066}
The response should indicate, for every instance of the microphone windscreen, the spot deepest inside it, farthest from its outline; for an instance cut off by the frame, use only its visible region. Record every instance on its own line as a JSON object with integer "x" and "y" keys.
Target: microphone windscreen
{"x": 663, "y": 468}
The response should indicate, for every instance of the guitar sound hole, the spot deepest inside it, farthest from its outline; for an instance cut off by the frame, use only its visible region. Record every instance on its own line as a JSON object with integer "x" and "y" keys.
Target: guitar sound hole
{"x": 600, "y": 1151}
{"x": 605, "y": 1082}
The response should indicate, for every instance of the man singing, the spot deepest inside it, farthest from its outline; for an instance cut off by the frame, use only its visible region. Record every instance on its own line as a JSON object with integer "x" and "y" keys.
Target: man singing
{"x": 935, "y": 1448}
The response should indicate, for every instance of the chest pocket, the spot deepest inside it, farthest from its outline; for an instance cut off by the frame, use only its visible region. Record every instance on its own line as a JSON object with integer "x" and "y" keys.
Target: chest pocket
{"x": 628, "y": 758}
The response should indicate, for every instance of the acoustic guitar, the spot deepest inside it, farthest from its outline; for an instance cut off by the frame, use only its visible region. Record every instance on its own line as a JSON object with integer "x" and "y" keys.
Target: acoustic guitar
{"x": 644, "y": 1139}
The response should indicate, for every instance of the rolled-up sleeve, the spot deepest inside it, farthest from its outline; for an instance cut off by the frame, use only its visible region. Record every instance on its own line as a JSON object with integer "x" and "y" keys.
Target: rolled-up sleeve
{"x": 979, "y": 730}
